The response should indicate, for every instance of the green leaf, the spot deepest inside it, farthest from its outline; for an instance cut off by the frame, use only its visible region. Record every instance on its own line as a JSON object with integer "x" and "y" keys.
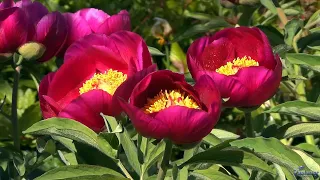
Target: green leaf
{"x": 299, "y": 108}
{"x": 271, "y": 149}
{"x": 71, "y": 129}
{"x": 19, "y": 164}
{"x": 310, "y": 148}
{"x": 81, "y": 172}
{"x": 68, "y": 143}
{"x": 153, "y": 155}
{"x": 155, "y": 52}
{"x": 224, "y": 135}
{"x": 295, "y": 130}
{"x": 216, "y": 22}
{"x": 211, "y": 173}
{"x": 212, "y": 139}
{"x": 199, "y": 16}
{"x": 269, "y": 5}
{"x": 229, "y": 157}
{"x": 290, "y": 30}
{"x": 30, "y": 116}
{"x": 311, "y": 164}
{"x": 46, "y": 146}
{"x": 306, "y": 60}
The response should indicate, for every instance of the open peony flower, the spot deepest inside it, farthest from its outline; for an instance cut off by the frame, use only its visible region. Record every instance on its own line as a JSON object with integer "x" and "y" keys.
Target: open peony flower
{"x": 87, "y": 83}
{"x": 241, "y": 63}
{"x": 91, "y": 20}
{"x": 164, "y": 105}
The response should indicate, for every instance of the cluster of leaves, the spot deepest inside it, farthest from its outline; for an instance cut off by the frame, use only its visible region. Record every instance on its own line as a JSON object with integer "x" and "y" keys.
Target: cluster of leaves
{"x": 288, "y": 125}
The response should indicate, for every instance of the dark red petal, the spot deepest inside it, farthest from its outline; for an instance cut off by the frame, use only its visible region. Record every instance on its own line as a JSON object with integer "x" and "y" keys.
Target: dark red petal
{"x": 208, "y": 94}
{"x": 264, "y": 84}
{"x": 125, "y": 89}
{"x": 87, "y": 108}
{"x": 52, "y": 33}
{"x": 34, "y": 10}
{"x": 187, "y": 125}
{"x": 194, "y": 52}
{"x": 217, "y": 54}
{"x": 118, "y": 22}
{"x": 145, "y": 124}
{"x": 152, "y": 84}
{"x": 246, "y": 42}
{"x": 94, "y": 17}
{"x": 14, "y": 29}
{"x": 49, "y": 107}
{"x": 69, "y": 78}
{"x": 229, "y": 87}
{"x": 77, "y": 28}
{"x": 6, "y": 4}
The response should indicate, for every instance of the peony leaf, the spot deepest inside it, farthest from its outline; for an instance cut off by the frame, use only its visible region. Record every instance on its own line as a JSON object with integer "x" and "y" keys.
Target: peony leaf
{"x": 74, "y": 130}
{"x": 80, "y": 172}
{"x": 290, "y": 30}
{"x": 155, "y": 52}
{"x": 211, "y": 173}
{"x": 272, "y": 150}
{"x": 305, "y": 60}
{"x": 299, "y": 108}
{"x": 229, "y": 157}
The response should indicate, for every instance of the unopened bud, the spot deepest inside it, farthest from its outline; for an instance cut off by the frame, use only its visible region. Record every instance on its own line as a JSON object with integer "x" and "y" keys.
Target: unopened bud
{"x": 31, "y": 50}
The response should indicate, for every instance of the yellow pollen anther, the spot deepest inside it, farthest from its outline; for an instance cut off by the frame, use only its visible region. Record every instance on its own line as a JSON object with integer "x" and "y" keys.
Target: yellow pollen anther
{"x": 108, "y": 81}
{"x": 169, "y": 98}
{"x": 231, "y": 68}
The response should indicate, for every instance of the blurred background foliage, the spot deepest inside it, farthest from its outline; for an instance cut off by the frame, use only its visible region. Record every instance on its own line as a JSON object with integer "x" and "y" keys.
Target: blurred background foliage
{"x": 171, "y": 26}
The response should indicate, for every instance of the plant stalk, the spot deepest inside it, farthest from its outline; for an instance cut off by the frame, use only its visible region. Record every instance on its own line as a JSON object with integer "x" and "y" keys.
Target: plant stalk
{"x": 14, "y": 108}
{"x": 165, "y": 161}
{"x": 124, "y": 170}
{"x": 248, "y": 123}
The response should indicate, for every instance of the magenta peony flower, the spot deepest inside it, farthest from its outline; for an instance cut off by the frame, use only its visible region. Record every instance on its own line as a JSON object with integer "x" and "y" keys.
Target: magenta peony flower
{"x": 87, "y": 83}
{"x": 164, "y": 105}
{"x": 241, "y": 63}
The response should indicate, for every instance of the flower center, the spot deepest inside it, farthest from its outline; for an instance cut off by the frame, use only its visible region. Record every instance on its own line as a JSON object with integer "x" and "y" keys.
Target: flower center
{"x": 108, "y": 81}
{"x": 169, "y": 98}
{"x": 231, "y": 68}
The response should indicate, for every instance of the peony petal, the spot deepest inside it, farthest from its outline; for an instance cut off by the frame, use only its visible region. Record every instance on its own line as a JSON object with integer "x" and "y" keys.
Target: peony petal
{"x": 229, "y": 87}
{"x": 77, "y": 28}
{"x": 87, "y": 108}
{"x": 152, "y": 84}
{"x": 69, "y": 78}
{"x": 94, "y": 17}
{"x": 125, "y": 89}
{"x": 208, "y": 94}
{"x": 52, "y": 33}
{"x": 6, "y": 4}
{"x": 14, "y": 29}
{"x": 194, "y": 52}
{"x": 145, "y": 124}
{"x": 34, "y": 10}
{"x": 264, "y": 84}
{"x": 118, "y": 22}
{"x": 186, "y": 125}
{"x": 216, "y": 54}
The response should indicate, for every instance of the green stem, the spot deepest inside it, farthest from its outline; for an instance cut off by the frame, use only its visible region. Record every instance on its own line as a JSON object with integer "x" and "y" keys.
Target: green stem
{"x": 14, "y": 108}
{"x": 165, "y": 161}
{"x": 124, "y": 170}
{"x": 248, "y": 122}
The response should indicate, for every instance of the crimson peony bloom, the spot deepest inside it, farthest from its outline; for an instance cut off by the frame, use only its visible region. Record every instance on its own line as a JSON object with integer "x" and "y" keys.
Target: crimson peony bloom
{"x": 164, "y": 105}
{"x": 87, "y": 83}
{"x": 90, "y": 20}
{"x": 241, "y": 63}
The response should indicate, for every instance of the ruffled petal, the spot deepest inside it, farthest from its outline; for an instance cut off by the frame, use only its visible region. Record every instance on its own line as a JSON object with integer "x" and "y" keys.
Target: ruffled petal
{"x": 262, "y": 84}
{"x": 6, "y": 4}
{"x": 14, "y": 29}
{"x": 118, "y": 22}
{"x": 34, "y": 10}
{"x": 125, "y": 89}
{"x": 186, "y": 125}
{"x": 94, "y": 17}
{"x": 87, "y": 108}
{"x": 52, "y": 33}
{"x": 145, "y": 124}
{"x": 77, "y": 28}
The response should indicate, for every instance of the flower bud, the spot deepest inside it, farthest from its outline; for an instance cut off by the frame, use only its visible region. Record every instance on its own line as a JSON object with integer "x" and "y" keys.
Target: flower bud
{"x": 32, "y": 50}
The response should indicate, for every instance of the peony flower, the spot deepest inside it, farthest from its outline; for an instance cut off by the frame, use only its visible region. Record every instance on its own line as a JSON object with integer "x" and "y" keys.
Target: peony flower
{"x": 164, "y": 105}
{"x": 241, "y": 63}
{"x": 90, "y": 20}
{"x": 87, "y": 83}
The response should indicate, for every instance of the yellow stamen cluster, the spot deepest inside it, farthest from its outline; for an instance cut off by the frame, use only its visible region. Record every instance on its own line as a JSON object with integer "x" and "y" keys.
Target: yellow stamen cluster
{"x": 108, "y": 81}
{"x": 231, "y": 68}
{"x": 169, "y": 98}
